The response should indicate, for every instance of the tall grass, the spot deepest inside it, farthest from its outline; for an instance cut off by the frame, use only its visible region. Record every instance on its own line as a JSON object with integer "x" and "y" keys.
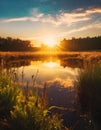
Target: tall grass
{"x": 18, "y": 112}
{"x": 89, "y": 90}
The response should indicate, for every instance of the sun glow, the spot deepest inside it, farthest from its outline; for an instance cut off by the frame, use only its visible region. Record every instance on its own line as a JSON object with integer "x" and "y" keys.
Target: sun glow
{"x": 50, "y": 41}
{"x": 51, "y": 64}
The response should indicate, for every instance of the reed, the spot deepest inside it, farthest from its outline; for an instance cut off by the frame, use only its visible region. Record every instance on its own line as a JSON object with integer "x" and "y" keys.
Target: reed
{"x": 89, "y": 90}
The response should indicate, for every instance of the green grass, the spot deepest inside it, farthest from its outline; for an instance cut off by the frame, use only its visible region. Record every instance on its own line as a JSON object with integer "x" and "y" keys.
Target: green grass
{"x": 19, "y": 110}
{"x": 89, "y": 90}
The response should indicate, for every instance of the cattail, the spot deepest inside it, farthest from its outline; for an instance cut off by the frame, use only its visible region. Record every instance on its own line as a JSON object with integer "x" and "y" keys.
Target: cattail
{"x": 37, "y": 101}
{"x": 33, "y": 80}
{"x": 2, "y": 64}
{"x": 35, "y": 77}
{"x": 26, "y": 97}
{"x": 44, "y": 96}
{"x": 27, "y": 91}
{"x": 22, "y": 77}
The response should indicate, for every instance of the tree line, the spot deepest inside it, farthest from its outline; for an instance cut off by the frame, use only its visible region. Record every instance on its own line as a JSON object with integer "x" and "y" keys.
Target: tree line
{"x": 74, "y": 44}
{"x": 10, "y": 44}
{"x": 81, "y": 44}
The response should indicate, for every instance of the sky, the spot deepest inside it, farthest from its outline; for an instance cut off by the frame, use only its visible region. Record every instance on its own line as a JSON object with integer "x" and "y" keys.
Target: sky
{"x": 44, "y": 20}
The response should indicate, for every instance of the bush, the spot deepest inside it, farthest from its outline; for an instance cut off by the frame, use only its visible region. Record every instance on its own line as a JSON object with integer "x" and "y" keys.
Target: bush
{"x": 8, "y": 96}
{"x": 89, "y": 90}
{"x": 21, "y": 111}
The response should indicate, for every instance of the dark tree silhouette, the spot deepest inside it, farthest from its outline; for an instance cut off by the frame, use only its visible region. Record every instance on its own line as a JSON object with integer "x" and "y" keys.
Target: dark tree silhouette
{"x": 81, "y": 44}
{"x": 10, "y": 44}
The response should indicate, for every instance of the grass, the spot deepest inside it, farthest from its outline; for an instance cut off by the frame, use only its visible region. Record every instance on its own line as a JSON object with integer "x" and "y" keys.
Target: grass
{"x": 89, "y": 90}
{"x": 19, "y": 110}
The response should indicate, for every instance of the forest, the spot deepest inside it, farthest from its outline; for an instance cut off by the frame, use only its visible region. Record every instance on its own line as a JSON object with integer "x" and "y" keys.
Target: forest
{"x": 10, "y": 44}
{"x": 81, "y": 44}
{"x": 74, "y": 44}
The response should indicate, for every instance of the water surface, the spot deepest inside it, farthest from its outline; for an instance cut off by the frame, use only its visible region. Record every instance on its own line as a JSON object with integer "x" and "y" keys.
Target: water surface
{"x": 49, "y": 71}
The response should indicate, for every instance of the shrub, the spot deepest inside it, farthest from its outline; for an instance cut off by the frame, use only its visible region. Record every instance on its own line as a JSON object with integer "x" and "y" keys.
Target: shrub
{"x": 8, "y": 96}
{"x": 21, "y": 111}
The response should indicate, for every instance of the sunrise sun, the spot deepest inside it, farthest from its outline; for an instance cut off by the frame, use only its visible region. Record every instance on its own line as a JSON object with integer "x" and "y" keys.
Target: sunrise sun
{"x": 50, "y": 41}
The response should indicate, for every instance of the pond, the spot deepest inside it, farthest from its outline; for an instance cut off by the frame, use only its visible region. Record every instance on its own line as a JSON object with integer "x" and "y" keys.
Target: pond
{"x": 49, "y": 71}
{"x": 58, "y": 75}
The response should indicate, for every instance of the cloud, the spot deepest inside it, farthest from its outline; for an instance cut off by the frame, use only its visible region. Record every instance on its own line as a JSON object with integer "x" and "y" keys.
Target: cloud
{"x": 78, "y": 15}
{"x": 66, "y": 33}
{"x": 94, "y": 10}
{"x": 63, "y": 18}
{"x": 61, "y": 83}
{"x": 65, "y": 23}
{"x": 15, "y": 20}
{"x": 23, "y": 19}
{"x": 35, "y": 13}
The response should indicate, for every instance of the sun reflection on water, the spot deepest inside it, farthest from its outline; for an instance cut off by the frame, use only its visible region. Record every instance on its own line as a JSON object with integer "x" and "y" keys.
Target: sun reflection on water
{"x": 51, "y": 64}
{"x": 51, "y": 71}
